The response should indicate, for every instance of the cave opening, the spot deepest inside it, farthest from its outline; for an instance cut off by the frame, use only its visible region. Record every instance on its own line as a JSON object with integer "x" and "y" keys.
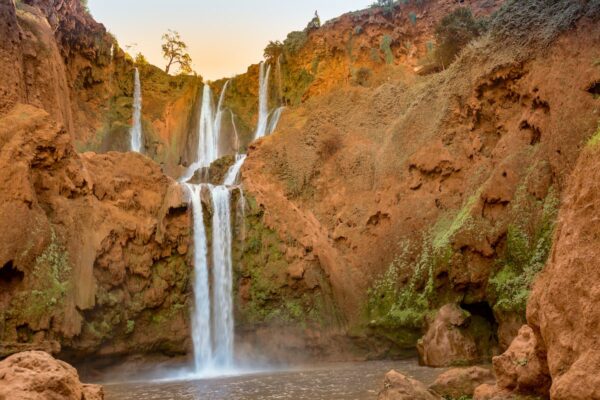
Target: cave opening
{"x": 10, "y": 275}
{"x": 484, "y": 326}
{"x": 594, "y": 89}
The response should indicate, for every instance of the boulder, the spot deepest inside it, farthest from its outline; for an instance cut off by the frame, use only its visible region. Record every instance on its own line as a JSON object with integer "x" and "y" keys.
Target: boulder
{"x": 522, "y": 368}
{"x": 459, "y": 382}
{"x": 36, "y": 375}
{"x": 447, "y": 341}
{"x": 400, "y": 387}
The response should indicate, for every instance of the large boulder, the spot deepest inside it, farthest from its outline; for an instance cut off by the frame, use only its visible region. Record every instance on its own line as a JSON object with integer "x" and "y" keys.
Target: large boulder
{"x": 449, "y": 339}
{"x": 35, "y": 375}
{"x": 458, "y": 382}
{"x": 522, "y": 367}
{"x": 400, "y": 387}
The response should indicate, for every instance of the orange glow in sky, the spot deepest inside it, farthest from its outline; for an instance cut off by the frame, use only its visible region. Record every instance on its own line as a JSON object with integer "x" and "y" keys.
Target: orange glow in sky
{"x": 224, "y": 37}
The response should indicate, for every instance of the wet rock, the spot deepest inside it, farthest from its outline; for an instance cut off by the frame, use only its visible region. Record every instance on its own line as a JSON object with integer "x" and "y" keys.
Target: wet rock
{"x": 400, "y": 387}
{"x": 447, "y": 342}
{"x": 459, "y": 382}
{"x": 36, "y": 375}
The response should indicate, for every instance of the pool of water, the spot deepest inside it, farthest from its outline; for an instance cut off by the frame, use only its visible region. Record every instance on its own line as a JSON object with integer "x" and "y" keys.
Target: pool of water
{"x": 348, "y": 381}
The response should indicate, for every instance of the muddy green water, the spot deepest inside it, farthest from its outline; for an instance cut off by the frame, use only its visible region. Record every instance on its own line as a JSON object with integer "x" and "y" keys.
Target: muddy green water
{"x": 351, "y": 381}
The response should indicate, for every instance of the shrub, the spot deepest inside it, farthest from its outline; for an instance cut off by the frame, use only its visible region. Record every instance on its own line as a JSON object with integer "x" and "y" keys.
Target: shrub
{"x": 386, "y": 48}
{"x": 386, "y": 5}
{"x": 412, "y": 17}
{"x": 454, "y": 32}
{"x": 294, "y": 42}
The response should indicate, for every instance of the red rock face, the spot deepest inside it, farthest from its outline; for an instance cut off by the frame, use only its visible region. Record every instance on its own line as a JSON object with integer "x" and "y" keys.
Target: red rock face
{"x": 91, "y": 244}
{"x": 354, "y": 174}
{"x": 563, "y": 308}
{"x": 35, "y": 375}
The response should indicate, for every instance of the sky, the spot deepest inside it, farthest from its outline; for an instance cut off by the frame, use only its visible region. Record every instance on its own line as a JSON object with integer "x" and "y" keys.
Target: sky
{"x": 224, "y": 36}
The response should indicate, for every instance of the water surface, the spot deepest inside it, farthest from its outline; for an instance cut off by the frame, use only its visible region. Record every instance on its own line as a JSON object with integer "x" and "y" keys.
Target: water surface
{"x": 348, "y": 381}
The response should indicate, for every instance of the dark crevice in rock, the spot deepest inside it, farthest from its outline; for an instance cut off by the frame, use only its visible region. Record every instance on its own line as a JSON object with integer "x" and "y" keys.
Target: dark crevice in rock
{"x": 594, "y": 89}
{"x": 10, "y": 275}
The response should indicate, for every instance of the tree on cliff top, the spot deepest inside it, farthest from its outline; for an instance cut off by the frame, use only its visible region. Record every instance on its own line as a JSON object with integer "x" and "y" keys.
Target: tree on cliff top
{"x": 175, "y": 52}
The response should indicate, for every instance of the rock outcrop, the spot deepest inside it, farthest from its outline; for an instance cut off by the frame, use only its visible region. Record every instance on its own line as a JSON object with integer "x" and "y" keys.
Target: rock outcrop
{"x": 93, "y": 251}
{"x": 35, "y": 375}
{"x": 459, "y": 382}
{"x": 562, "y": 312}
{"x": 453, "y": 338}
{"x": 400, "y": 387}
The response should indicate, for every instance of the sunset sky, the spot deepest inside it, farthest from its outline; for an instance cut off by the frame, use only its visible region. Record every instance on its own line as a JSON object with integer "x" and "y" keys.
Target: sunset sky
{"x": 224, "y": 37}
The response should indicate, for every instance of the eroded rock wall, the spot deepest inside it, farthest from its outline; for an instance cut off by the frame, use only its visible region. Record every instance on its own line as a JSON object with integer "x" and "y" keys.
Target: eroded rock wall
{"x": 93, "y": 250}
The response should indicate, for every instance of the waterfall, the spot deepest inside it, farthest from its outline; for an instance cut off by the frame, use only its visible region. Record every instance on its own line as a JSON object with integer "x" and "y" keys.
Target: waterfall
{"x": 232, "y": 174}
{"x": 201, "y": 337}
{"x": 274, "y": 120}
{"x": 235, "y": 131}
{"x": 136, "y": 129}
{"x": 209, "y": 132}
{"x": 212, "y": 319}
{"x": 263, "y": 101}
{"x": 222, "y": 276}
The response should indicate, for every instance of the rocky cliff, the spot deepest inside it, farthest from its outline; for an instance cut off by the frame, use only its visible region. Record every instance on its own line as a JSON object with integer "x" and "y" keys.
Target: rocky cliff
{"x": 394, "y": 187}
{"x": 425, "y": 190}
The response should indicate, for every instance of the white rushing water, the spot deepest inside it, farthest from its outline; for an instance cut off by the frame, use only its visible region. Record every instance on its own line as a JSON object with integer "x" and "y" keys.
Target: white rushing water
{"x": 222, "y": 276}
{"x": 274, "y": 120}
{"x": 201, "y": 338}
{"x": 232, "y": 174}
{"x": 136, "y": 129}
{"x": 212, "y": 319}
{"x": 263, "y": 101}
{"x": 209, "y": 132}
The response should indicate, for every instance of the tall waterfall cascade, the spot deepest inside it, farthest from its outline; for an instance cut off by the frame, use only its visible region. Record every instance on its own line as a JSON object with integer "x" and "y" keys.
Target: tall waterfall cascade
{"x": 136, "y": 128}
{"x": 212, "y": 316}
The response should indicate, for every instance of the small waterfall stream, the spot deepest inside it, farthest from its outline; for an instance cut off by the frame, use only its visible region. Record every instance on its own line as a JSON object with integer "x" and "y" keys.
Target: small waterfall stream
{"x": 136, "y": 128}
{"x": 263, "y": 101}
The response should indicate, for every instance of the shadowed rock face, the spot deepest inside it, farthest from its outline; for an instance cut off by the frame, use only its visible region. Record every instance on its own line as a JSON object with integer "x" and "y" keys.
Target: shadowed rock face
{"x": 35, "y": 375}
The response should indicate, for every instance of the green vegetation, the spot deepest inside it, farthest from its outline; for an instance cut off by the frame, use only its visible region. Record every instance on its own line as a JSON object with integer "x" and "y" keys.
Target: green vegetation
{"x": 528, "y": 245}
{"x": 401, "y": 300}
{"x": 51, "y": 282}
{"x": 454, "y": 32}
{"x": 412, "y": 17}
{"x": 385, "y": 47}
{"x": 386, "y": 5}
{"x": 294, "y": 42}
{"x": 175, "y": 52}
{"x": 595, "y": 139}
{"x": 265, "y": 283}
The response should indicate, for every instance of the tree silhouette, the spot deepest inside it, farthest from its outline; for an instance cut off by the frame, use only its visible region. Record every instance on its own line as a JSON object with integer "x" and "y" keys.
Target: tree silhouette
{"x": 175, "y": 52}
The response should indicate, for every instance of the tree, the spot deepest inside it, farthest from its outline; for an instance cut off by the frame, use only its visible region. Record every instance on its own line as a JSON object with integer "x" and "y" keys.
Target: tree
{"x": 273, "y": 51}
{"x": 175, "y": 52}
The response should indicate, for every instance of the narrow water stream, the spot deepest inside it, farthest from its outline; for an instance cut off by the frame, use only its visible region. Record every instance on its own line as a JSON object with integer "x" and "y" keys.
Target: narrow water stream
{"x": 348, "y": 381}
